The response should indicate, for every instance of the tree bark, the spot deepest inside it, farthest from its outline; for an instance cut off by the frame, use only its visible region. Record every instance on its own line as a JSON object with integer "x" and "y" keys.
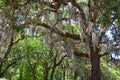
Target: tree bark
{"x": 46, "y": 75}
{"x": 33, "y": 75}
{"x": 21, "y": 73}
{"x": 52, "y": 73}
{"x": 64, "y": 74}
{"x": 76, "y": 74}
{"x": 95, "y": 65}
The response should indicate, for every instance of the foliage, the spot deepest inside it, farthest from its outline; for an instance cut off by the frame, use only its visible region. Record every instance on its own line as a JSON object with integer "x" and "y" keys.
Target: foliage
{"x": 59, "y": 39}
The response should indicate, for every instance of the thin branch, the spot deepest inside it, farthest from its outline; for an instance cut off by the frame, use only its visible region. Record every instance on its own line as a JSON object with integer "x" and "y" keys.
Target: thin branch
{"x": 9, "y": 65}
{"x": 54, "y": 61}
{"x": 49, "y": 4}
{"x": 101, "y": 55}
{"x": 14, "y": 62}
{"x": 61, "y": 60}
{"x": 108, "y": 52}
{"x": 14, "y": 42}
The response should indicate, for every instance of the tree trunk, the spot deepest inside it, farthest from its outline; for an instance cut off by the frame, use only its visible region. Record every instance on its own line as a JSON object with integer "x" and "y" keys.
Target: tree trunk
{"x": 64, "y": 73}
{"x": 46, "y": 75}
{"x": 52, "y": 73}
{"x": 1, "y": 75}
{"x": 95, "y": 65}
{"x": 33, "y": 75}
{"x": 20, "y": 75}
{"x": 76, "y": 74}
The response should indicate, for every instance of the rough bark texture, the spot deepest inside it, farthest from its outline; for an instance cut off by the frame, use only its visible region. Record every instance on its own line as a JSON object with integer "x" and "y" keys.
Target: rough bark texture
{"x": 95, "y": 64}
{"x": 95, "y": 68}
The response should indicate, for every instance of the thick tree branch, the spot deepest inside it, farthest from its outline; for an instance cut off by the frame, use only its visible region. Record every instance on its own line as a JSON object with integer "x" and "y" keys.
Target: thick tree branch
{"x": 9, "y": 46}
{"x": 61, "y": 32}
{"x": 103, "y": 31}
{"x": 83, "y": 15}
{"x": 104, "y": 54}
{"x": 77, "y": 54}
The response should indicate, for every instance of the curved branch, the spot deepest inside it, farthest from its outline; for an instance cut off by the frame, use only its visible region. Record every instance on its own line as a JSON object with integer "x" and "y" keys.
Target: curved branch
{"x": 104, "y": 54}
{"x": 9, "y": 46}
{"x": 61, "y": 60}
{"x": 104, "y": 30}
{"x": 109, "y": 52}
{"x": 61, "y": 32}
{"x": 79, "y": 7}
{"x": 10, "y": 64}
